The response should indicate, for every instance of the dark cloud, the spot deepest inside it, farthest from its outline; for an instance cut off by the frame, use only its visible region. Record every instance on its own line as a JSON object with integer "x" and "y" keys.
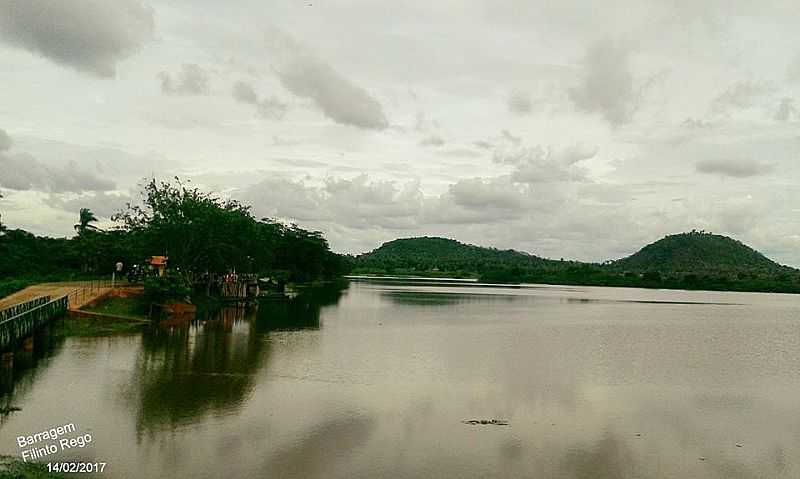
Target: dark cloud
{"x": 272, "y": 108}
{"x": 340, "y": 99}
{"x": 244, "y": 92}
{"x": 88, "y": 35}
{"x": 433, "y": 140}
{"x": 485, "y": 194}
{"x": 519, "y": 102}
{"x": 607, "y": 86}
{"x": 24, "y": 172}
{"x": 21, "y": 171}
{"x": 192, "y": 80}
{"x": 737, "y": 168}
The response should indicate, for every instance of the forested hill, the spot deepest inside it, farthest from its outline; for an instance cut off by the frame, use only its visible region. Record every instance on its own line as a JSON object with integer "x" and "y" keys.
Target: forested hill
{"x": 430, "y": 255}
{"x": 695, "y": 260}
{"x": 698, "y": 252}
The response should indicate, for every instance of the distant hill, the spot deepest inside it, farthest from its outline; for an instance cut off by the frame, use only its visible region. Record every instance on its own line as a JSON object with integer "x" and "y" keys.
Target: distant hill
{"x": 432, "y": 254}
{"x": 695, "y": 260}
{"x": 698, "y": 252}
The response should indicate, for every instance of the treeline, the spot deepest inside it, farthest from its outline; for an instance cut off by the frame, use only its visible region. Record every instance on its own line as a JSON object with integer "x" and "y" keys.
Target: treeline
{"x": 199, "y": 232}
{"x": 606, "y": 275}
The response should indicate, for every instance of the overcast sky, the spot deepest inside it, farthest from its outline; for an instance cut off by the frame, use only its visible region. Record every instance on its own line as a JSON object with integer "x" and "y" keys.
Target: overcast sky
{"x": 572, "y": 129}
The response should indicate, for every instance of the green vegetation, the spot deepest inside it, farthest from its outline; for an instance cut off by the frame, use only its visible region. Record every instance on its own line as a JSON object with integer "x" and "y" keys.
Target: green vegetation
{"x": 14, "y": 468}
{"x": 131, "y": 307}
{"x": 439, "y": 257}
{"x": 171, "y": 287}
{"x": 695, "y": 260}
{"x": 200, "y": 232}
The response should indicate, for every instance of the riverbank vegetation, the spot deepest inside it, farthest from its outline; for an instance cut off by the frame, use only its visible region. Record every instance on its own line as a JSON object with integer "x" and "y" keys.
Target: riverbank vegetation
{"x": 694, "y": 260}
{"x": 200, "y": 232}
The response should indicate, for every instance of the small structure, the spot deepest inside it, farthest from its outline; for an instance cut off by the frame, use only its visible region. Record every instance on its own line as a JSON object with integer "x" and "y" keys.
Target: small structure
{"x": 159, "y": 264}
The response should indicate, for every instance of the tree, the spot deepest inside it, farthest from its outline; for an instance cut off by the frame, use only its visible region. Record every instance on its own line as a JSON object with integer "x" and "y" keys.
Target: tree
{"x": 86, "y": 217}
{"x": 2, "y": 227}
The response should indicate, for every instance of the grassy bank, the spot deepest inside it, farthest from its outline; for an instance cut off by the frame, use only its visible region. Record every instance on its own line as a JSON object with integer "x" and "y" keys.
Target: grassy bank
{"x": 131, "y": 307}
{"x": 14, "y": 468}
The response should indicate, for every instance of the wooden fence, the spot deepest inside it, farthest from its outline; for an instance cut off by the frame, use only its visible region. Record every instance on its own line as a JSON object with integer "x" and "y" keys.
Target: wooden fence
{"x": 26, "y": 322}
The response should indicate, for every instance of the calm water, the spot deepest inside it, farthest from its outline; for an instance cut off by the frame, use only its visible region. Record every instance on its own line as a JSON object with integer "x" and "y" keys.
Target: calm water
{"x": 376, "y": 380}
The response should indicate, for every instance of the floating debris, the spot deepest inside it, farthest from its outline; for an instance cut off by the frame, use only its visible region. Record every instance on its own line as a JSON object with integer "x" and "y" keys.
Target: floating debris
{"x": 486, "y": 422}
{"x": 9, "y": 409}
{"x": 701, "y": 458}
{"x": 638, "y": 434}
{"x": 738, "y": 445}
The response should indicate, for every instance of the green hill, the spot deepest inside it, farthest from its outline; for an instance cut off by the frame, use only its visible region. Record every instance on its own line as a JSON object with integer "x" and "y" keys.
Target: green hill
{"x": 432, "y": 255}
{"x": 699, "y": 252}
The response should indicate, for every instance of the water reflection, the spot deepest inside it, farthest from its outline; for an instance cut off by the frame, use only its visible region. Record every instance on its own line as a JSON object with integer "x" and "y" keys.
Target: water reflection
{"x": 208, "y": 366}
{"x": 20, "y": 370}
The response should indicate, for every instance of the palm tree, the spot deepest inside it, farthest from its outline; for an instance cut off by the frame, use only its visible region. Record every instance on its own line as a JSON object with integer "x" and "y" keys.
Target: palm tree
{"x": 2, "y": 228}
{"x": 85, "y": 219}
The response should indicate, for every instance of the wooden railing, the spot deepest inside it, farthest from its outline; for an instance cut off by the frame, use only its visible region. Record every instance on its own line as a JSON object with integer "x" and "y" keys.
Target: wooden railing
{"x": 26, "y": 322}
{"x": 87, "y": 289}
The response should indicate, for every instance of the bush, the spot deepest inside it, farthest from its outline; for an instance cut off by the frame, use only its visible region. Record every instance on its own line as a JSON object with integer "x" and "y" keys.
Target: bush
{"x": 169, "y": 288}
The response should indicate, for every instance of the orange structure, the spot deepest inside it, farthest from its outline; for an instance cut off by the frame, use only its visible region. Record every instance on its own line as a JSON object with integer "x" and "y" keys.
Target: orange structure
{"x": 159, "y": 264}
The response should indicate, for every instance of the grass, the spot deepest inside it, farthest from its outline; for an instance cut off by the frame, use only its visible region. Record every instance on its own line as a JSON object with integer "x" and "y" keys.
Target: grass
{"x": 133, "y": 307}
{"x": 13, "y": 468}
{"x": 126, "y": 315}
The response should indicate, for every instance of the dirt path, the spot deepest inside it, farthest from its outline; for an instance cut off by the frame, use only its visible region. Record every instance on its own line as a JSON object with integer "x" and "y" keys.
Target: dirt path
{"x": 86, "y": 291}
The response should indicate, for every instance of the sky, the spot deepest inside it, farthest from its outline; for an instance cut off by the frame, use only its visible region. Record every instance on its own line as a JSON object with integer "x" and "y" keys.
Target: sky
{"x": 571, "y": 129}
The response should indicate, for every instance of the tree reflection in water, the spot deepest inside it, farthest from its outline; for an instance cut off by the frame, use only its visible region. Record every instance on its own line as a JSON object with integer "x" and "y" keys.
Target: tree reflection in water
{"x": 208, "y": 365}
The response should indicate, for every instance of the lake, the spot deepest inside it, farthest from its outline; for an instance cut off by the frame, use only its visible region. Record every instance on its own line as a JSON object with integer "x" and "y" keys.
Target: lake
{"x": 377, "y": 380}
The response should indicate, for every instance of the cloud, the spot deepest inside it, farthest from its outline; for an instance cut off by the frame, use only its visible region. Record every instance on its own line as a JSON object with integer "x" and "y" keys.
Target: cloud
{"x": 21, "y": 171}
{"x": 736, "y": 168}
{"x": 24, "y": 172}
{"x": 273, "y": 108}
{"x": 5, "y": 141}
{"x": 607, "y": 85}
{"x": 740, "y": 95}
{"x": 103, "y": 204}
{"x": 358, "y": 203}
{"x": 433, "y": 140}
{"x": 88, "y": 35}
{"x": 519, "y": 102}
{"x": 340, "y": 99}
{"x": 786, "y": 110}
{"x": 793, "y": 70}
{"x": 192, "y": 80}
{"x": 245, "y": 93}
{"x": 540, "y": 164}
{"x": 485, "y": 193}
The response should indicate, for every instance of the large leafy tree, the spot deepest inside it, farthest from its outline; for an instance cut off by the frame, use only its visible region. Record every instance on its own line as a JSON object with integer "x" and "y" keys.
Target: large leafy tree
{"x": 199, "y": 232}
